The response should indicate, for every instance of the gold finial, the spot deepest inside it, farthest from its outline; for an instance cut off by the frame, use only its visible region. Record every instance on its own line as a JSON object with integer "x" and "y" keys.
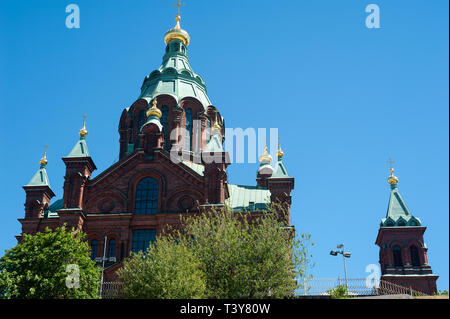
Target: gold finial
{"x": 216, "y": 126}
{"x": 43, "y": 160}
{"x": 392, "y": 179}
{"x": 83, "y": 132}
{"x": 280, "y": 153}
{"x": 178, "y": 16}
{"x": 154, "y": 110}
{"x": 176, "y": 32}
{"x": 178, "y": 5}
{"x": 265, "y": 157}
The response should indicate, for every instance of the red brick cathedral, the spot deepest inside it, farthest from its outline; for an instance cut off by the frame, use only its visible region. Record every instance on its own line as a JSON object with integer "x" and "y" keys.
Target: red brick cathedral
{"x": 171, "y": 158}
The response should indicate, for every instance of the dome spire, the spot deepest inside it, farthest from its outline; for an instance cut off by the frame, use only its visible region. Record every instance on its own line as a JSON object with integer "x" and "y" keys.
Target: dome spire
{"x": 392, "y": 179}
{"x": 83, "y": 132}
{"x": 216, "y": 126}
{"x": 43, "y": 160}
{"x": 280, "y": 153}
{"x": 176, "y": 33}
{"x": 265, "y": 157}
{"x": 154, "y": 110}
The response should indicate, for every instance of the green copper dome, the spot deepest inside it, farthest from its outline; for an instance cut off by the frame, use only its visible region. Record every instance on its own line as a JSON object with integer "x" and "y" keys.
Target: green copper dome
{"x": 175, "y": 76}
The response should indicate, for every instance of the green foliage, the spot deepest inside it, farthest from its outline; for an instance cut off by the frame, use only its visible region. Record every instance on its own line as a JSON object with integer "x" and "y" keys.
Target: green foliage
{"x": 221, "y": 254}
{"x": 166, "y": 271}
{"x": 417, "y": 294}
{"x": 340, "y": 292}
{"x": 441, "y": 293}
{"x": 38, "y": 267}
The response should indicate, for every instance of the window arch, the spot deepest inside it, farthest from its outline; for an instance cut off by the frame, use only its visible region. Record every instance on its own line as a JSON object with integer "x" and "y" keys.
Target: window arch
{"x": 146, "y": 202}
{"x": 94, "y": 248}
{"x": 188, "y": 130}
{"x": 165, "y": 123}
{"x": 208, "y": 129}
{"x": 415, "y": 260}
{"x": 397, "y": 252}
{"x": 112, "y": 248}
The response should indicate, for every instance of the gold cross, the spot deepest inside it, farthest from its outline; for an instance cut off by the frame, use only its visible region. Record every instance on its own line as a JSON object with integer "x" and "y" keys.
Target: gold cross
{"x": 178, "y": 5}
{"x": 390, "y": 162}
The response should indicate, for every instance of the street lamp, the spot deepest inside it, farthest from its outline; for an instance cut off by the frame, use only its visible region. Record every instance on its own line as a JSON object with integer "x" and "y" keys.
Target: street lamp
{"x": 103, "y": 259}
{"x": 345, "y": 254}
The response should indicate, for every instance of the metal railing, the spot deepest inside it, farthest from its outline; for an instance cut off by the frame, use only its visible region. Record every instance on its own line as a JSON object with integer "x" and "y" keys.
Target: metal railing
{"x": 314, "y": 287}
{"x": 111, "y": 290}
{"x": 355, "y": 287}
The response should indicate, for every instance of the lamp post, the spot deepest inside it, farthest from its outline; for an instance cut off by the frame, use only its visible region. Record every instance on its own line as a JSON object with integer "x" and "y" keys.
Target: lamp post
{"x": 103, "y": 259}
{"x": 345, "y": 254}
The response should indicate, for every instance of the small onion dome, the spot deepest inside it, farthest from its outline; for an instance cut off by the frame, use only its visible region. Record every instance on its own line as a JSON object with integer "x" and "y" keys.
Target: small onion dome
{"x": 265, "y": 157}
{"x": 43, "y": 160}
{"x": 280, "y": 153}
{"x": 216, "y": 126}
{"x": 176, "y": 33}
{"x": 392, "y": 179}
{"x": 83, "y": 132}
{"x": 154, "y": 110}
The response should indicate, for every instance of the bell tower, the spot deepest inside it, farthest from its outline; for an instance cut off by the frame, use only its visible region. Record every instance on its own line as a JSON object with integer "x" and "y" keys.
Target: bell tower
{"x": 403, "y": 252}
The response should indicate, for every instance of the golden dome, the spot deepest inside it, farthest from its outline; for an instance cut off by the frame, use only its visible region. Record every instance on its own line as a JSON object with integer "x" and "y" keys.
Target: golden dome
{"x": 154, "y": 110}
{"x": 280, "y": 153}
{"x": 43, "y": 160}
{"x": 83, "y": 132}
{"x": 176, "y": 33}
{"x": 265, "y": 157}
{"x": 216, "y": 126}
{"x": 392, "y": 179}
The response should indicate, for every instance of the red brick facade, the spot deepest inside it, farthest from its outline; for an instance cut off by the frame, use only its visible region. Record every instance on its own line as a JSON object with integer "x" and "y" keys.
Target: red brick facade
{"x": 105, "y": 204}
{"x": 403, "y": 258}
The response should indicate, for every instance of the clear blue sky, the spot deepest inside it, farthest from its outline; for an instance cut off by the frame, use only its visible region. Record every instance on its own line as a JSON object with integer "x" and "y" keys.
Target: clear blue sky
{"x": 345, "y": 98}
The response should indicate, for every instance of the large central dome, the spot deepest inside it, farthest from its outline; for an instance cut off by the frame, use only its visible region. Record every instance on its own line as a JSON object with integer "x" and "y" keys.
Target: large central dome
{"x": 175, "y": 76}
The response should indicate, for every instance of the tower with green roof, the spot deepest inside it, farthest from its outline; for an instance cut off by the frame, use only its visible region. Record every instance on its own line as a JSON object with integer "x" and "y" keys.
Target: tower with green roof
{"x": 403, "y": 252}
{"x": 38, "y": 191}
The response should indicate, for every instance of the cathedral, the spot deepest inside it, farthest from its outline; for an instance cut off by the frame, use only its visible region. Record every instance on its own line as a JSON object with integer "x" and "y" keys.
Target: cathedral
{"x": 171, "y": 162}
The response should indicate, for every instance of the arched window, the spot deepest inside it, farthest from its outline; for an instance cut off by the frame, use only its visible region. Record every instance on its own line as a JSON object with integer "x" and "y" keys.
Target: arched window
{"x": 142, "y": 119}
{"x": 188, "y": 127}
{"x": 415, "y": 260}
{"x": 112, "y": 248}
{"x": 398, "y": 261}
{"x": 146, "y": 197}
{"x": 208, "y": 129}
{"x": 94, "y": 247}
{"x": 165, "y": 123}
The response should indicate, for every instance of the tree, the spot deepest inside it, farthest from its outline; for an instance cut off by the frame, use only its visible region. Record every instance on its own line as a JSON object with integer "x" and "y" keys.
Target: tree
{"x": 221, "y": 254}
{"x": 49, "y": 265}
{"x": 167, "y": 270}
{"x": 245, "y": 256}
{"x": 340, "y": 292}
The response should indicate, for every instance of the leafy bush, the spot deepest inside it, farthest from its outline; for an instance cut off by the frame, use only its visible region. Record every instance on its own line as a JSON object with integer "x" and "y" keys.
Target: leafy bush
{"x": 51, "y": 264}
{"x": 221, "y": 254}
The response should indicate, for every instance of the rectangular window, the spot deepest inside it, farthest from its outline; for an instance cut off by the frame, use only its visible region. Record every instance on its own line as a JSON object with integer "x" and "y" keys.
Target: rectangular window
{"x": 142, "y": 239}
